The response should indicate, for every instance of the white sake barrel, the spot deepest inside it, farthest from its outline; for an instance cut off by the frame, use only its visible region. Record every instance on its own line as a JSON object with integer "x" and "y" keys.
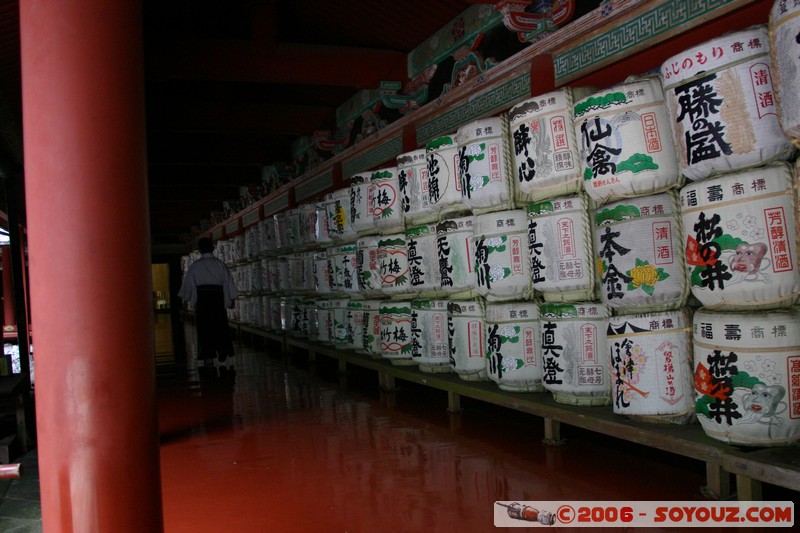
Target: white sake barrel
{"x": 344, "y": 274}
{"x": 742, "y": 240}
{"x": 747, "y": 376}
{"x": 423, "y": 261}
{"x": 372, "y": 329}
{"x": 412, "y": 168}
{"x": 340, "y": 224}
{"x": 484, "y": 165}
{"x": 651, "y": 366}
{"x": 298, "y": 317}
{"x": 283, "y": 279}
{"x": 560, "y": 247}
{"x": 361, "y": 203}
{"x": 395, "y": 334}
{"x": 334, "y": 258}
{"x": 784, "y": 27}
{"x": 545, "y": 158}
{"x": 387, "y": 213}
{"x": 393, "y": 265}
{"x": 368, "y": 268}
{"x": 444, "y": 184}
{"x": 640, "y": 254}
{"x": 308, "y": 223}
{"x": 626, "y": 146}
{"x": 275, "y": 313}
{"x": 324, "y": 322}
{"x": 266, "y": 319}
{"x": 308, "y": 309}
{"x": 313, "y": 319}
{"x": 355, "y": 324}
{"x": 465, "y": 339}
{"x": 429, "y": 335}
{"x": 456, "y": 260}
{"x": 309, "y": 284}
{"x": 500, "y": 251}
{"x": 282, "y": 244}
{"x": 322, "y": 274}
{"x": 293, "y": 231}
{"x": 267, "y": 229}
{"x": 266, "y": 282}
{"x": 296, "y": 272}
{"x": 512, "y": 346}
{"x": 321, "y": 230}
{"x": 574, "y": 355}
{"x": 339, "y": 322}
{"x": 286, "y": 314}
{"x": 722, "y": 105}
{"x": 256, "y": 278}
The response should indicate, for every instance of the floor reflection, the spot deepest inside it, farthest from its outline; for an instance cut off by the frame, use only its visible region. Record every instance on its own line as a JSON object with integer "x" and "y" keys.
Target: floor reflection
{"x": 260, "y": 446}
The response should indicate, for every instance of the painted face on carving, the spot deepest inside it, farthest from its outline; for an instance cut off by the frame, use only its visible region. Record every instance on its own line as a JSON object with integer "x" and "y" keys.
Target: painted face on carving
{"x": 747, "y": 257}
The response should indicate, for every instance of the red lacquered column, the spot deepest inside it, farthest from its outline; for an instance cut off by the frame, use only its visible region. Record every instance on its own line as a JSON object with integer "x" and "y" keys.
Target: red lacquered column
{"x": 88, "y": 243}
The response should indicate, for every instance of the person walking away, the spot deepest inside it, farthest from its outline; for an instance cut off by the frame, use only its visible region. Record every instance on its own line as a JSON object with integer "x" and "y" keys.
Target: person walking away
{"x": 209, "y": 287}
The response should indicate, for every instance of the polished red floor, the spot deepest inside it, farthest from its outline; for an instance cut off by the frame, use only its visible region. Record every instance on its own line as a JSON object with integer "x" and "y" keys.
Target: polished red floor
{"x": 278, "y": 449}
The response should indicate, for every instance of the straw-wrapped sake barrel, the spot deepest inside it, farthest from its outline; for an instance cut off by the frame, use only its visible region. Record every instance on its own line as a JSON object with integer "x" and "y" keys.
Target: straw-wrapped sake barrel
{"x": 574, "y": 357}
{"x": 412, "y": 169}
{"x": 424, "y": 276}
{"x": 500, "y": 251}
{"x": 444, "y": 185}
{"x": 560, "y": 247}
{"x": 722, "y": 105}
{"x": 626, "y": 146}
{"x": 742, "y": 240}
{"x": 545, "y": 155}
{"x": 484, "y": 165}
{"x": 393, "y": 265}
{"x": 368, "y": 267}
{"x": 639, "y": 254}
{"x": 456, "y": 259}
{"x": 429, "y": 335}
{"x": 387, "y": 212}
{"x": 355, "y": 324}
{"x": 395, "y": 333}
{"x": 747, "y": 376}
{"x": 361, "y": 203}
{"x": 512, "y": 341}
{"x": 465, "y": 339}
{"x": 651, "y": 366}
{"x": 372, "y": 328}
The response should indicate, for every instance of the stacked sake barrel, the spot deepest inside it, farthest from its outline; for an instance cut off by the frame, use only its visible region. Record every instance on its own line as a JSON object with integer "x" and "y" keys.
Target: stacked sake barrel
{"x": 739, "y": 220}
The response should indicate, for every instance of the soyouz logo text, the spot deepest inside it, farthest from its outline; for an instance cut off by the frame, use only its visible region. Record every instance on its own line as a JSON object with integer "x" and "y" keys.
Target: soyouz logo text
{"x": 643, "y": 514}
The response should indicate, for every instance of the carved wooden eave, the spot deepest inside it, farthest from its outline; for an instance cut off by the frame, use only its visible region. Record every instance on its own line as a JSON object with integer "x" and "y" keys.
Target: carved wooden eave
{"x": 597, "y": 43}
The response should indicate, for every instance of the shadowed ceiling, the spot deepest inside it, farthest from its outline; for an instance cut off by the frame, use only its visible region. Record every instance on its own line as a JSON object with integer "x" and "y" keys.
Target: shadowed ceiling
{"x": 230, "y": 84}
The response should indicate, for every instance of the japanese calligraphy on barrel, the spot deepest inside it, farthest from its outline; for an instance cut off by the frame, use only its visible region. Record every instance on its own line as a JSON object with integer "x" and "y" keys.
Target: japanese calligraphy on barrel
{"x": 722, "y": 105}
{"x": 639, "y": 254}
{"x": 339, "y": 322}
{"x": 354, "y": 322}
{"x": 465, "y": 339}
{"x": 741, "y": 239}
{"x": 393, "y": 265}
{"x": 650, "y": 357}
{"x": 372, "y": 329}
{"x": 424, "y": 276}
{"x": 412, "y": 172}
{"x": 387, "y": 212}
{"x": 395, "y": 333}
{"x": 560, "y": 248}
{"x": 500, "y": 252}
{"x": 429, "y": 335}
{"x": 747, "y": 376}
{"x": 574, "y": 356}
{"x": 340, "y": 224}
{"x": 444, "y": 185}
{"x": 456, "y": 261}
{"x": 625, "y": 142}
{"x": 545, "y": 151}
{"x": 512, "y": 346}
{"x": 484, "y": 165}
{"x": 367, "y": 267}
{"x": 361, "y": 203}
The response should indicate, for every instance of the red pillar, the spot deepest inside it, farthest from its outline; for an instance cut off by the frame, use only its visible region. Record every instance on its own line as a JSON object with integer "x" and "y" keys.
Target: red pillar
{"x": 89, "y": 252}
{"x": 9, "y": 322}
